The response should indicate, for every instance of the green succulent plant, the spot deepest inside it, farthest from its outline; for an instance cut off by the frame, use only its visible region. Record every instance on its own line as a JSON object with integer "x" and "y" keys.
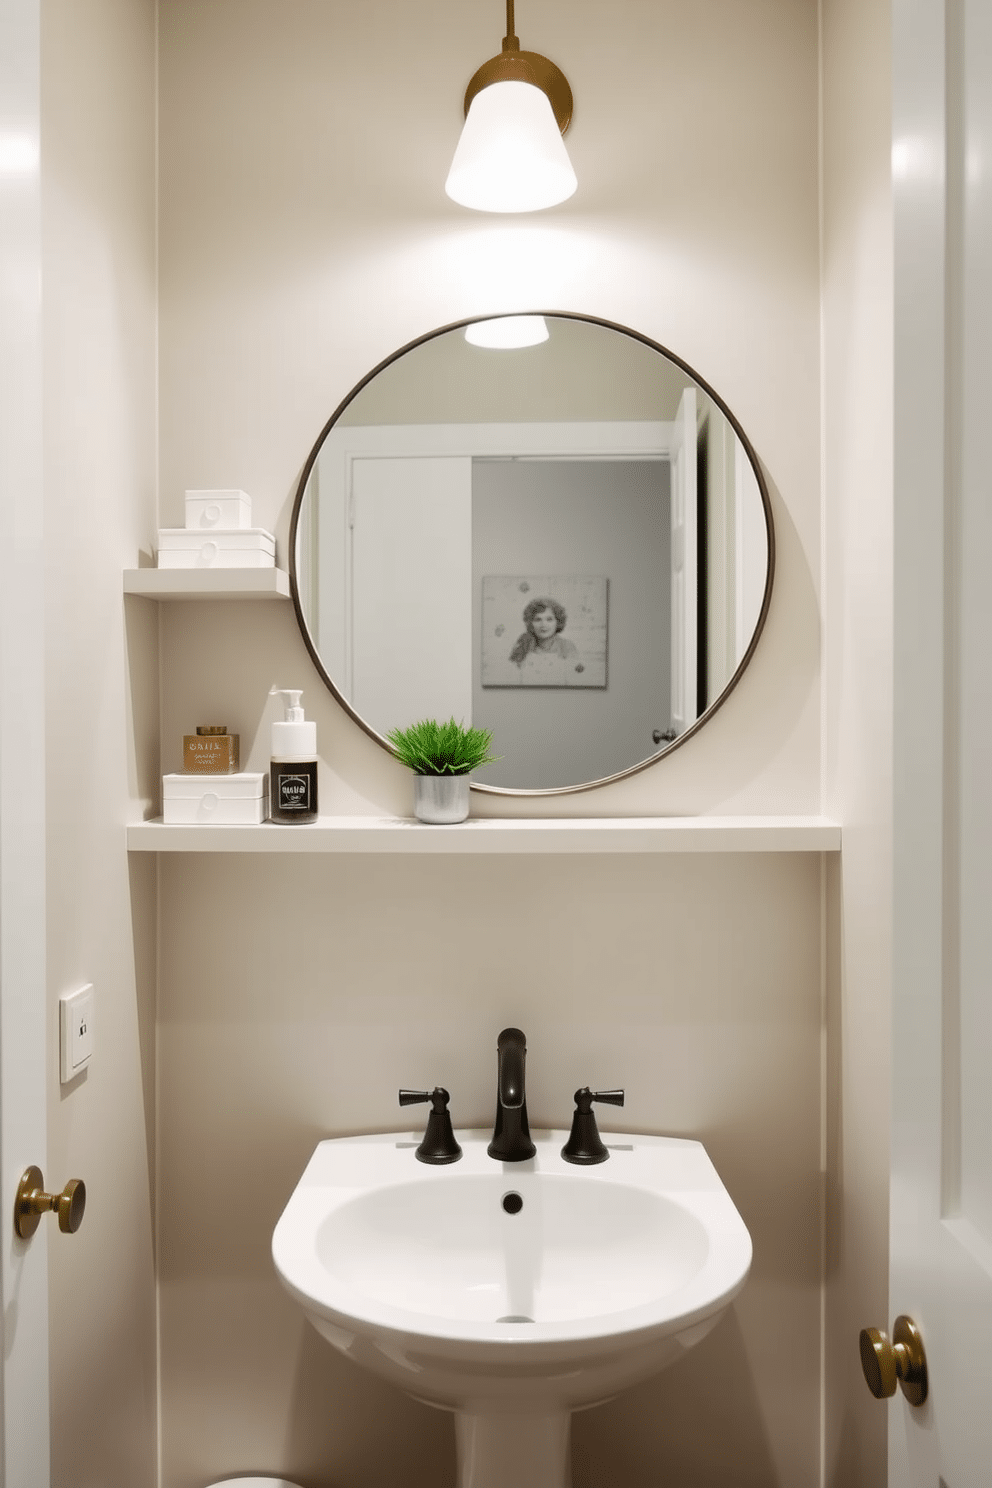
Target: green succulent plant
{"x": 432, "y": 748}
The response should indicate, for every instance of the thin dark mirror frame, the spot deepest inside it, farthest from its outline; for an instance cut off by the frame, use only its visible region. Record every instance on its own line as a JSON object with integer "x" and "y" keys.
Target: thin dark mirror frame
{"x": 670, "y": 745}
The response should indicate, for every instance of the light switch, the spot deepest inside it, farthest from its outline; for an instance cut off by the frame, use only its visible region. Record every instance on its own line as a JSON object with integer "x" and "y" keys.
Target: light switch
{"x": 75, "y": 1031}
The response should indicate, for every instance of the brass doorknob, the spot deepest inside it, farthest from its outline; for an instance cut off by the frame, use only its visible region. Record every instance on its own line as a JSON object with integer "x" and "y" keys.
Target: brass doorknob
{"x": 32, "y": 1202}
{"x": 900, "y": 1361}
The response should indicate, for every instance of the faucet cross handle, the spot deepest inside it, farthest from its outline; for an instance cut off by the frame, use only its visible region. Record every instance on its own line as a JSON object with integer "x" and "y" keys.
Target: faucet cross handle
{"x": 584, "y": 1145}
{"x": 439, "y": 1145}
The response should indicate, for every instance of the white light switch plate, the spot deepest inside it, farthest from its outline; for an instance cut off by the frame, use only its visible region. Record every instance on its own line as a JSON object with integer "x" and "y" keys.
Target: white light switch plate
{"x": 75, "y": 1031}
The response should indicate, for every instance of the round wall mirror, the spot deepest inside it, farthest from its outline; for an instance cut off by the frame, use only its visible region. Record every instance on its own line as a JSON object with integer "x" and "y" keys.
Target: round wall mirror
{"x": 568, "y": 542}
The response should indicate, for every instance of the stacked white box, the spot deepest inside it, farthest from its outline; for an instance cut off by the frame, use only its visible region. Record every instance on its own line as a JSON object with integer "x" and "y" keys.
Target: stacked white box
{"x": 221, "y": 509}
{"x": 218, "y": 534}
{"x": 232, "y": 800}
{"x": 245, "y": 547}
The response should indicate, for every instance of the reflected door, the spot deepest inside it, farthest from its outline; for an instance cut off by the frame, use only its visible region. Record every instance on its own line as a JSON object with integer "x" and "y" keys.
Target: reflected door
{"x": 685, "y": 562}
{"x": 411, "y": 590}
{"x": 941, "y": 1196}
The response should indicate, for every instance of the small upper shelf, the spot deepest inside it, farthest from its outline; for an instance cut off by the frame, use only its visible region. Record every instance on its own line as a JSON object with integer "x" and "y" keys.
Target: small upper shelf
{"x": 207, "y": 583}
{"x": 373, "y": 834}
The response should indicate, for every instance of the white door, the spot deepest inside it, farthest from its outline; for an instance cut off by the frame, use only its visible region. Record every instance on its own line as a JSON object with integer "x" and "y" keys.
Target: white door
{"x": 941, "y": 1197}
{"x": 685, "y": 566}
{"x": 24, "y": 1458}
{"x": 411, "y": 556}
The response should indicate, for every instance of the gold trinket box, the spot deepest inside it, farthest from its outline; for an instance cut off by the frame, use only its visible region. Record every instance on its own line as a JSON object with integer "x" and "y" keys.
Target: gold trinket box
{"x": 211, "y": 751}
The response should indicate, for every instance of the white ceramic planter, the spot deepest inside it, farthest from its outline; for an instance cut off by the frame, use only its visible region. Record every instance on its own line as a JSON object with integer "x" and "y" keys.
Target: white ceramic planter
{"x": 440, "y": 799}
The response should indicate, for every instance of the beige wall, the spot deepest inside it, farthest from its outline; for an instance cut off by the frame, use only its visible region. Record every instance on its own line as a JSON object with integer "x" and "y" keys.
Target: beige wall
{"x": 297, "y": 250}
{"x": 305, "y": 236}
{"x": 858, "y": 491}
{"x": 298, "y": 995}
{"x": 299, "y": 247}
{"x": 98, "y": 284}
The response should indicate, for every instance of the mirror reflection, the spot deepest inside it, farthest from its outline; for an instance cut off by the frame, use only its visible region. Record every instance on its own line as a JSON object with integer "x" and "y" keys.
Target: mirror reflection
{"x": 568, "y": 543}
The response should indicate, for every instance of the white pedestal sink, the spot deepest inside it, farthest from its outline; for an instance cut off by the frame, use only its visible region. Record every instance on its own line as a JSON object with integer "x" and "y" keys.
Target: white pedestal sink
{"x": 512, "y": 1293}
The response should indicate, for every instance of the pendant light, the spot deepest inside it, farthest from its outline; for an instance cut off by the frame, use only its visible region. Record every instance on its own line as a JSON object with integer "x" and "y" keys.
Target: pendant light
{"x": 507, "y": 332}
{"x": 511, "y": 157}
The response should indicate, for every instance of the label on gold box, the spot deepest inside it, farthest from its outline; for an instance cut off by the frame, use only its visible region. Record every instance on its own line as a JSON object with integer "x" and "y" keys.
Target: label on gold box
{"x": 211, "y": 752}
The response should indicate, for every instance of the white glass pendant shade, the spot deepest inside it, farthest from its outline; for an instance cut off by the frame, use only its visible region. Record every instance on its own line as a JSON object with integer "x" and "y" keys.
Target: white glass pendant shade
{"x": 508, "y": 332}
{"x": 511, "y": 156}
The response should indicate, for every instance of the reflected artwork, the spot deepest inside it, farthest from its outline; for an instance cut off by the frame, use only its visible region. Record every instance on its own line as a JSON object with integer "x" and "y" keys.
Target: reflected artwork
{"x": 544, "y": 630}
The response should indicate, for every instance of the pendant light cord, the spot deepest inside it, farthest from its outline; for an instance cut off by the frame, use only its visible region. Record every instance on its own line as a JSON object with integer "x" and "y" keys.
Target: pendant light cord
{"x": 511, "y": 43}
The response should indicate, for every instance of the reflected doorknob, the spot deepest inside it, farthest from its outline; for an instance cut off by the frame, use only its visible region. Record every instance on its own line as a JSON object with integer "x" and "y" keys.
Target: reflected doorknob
{"x": 32, "y": 1202}
{"x": 901, "y": 1360}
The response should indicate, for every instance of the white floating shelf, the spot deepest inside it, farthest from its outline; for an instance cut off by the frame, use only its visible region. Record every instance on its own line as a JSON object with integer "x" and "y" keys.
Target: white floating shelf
{"x": 207, "y": 583}
{"x": 374, "y": 834}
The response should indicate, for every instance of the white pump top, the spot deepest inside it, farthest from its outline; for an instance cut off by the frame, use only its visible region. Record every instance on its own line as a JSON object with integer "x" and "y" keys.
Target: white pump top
{"x": 293, "y": 738}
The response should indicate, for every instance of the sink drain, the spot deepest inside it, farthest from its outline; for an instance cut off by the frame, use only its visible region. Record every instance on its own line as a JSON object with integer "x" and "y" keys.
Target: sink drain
{"x": 512, "y": 1203}
{"x": 515, "y": 1318}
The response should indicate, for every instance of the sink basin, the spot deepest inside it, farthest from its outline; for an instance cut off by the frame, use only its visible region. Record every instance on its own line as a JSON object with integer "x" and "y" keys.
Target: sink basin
{"x": 512, "y": 1293}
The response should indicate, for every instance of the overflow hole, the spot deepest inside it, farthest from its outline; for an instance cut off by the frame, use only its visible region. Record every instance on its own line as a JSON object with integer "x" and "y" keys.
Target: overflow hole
{"x": 512, "y": 1203}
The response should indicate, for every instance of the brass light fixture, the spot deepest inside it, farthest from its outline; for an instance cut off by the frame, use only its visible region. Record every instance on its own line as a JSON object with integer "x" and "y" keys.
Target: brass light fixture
{"x": 511, "y": 157}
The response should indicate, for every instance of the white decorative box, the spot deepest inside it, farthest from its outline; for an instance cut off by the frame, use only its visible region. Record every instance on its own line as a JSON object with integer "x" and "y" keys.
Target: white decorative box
{"x": 222, "y": 509}
{"x": 245, "y": 547}
{"x": 232, "y": 800}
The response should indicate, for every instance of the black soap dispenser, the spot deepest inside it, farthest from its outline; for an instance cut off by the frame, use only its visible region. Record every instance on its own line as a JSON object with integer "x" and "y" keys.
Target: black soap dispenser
{"x": 293, "y": 771}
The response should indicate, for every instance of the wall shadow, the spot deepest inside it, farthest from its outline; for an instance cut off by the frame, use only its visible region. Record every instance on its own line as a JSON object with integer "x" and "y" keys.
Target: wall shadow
{"x": 698, "y": 1424}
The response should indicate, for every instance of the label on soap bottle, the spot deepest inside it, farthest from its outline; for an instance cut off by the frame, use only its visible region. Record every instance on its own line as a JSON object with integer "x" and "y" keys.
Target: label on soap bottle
{"x": 293, "y": 791}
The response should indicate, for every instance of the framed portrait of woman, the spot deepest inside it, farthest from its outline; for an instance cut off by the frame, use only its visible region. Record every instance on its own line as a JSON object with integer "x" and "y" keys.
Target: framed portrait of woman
{"x": 544, "y": 630}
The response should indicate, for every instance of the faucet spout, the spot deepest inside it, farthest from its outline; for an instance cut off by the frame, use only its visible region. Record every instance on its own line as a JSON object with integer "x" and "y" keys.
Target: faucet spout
{"x": 511, "y": 1050}
{"x": 511, "y": 1133}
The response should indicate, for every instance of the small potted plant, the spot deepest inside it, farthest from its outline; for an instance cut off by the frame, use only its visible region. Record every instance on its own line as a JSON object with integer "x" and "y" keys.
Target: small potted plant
{"x": 441, "y": 756}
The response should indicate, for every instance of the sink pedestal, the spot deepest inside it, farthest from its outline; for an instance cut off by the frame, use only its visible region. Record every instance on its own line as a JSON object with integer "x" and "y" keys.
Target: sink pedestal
{"x": 525, "y": 1450}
